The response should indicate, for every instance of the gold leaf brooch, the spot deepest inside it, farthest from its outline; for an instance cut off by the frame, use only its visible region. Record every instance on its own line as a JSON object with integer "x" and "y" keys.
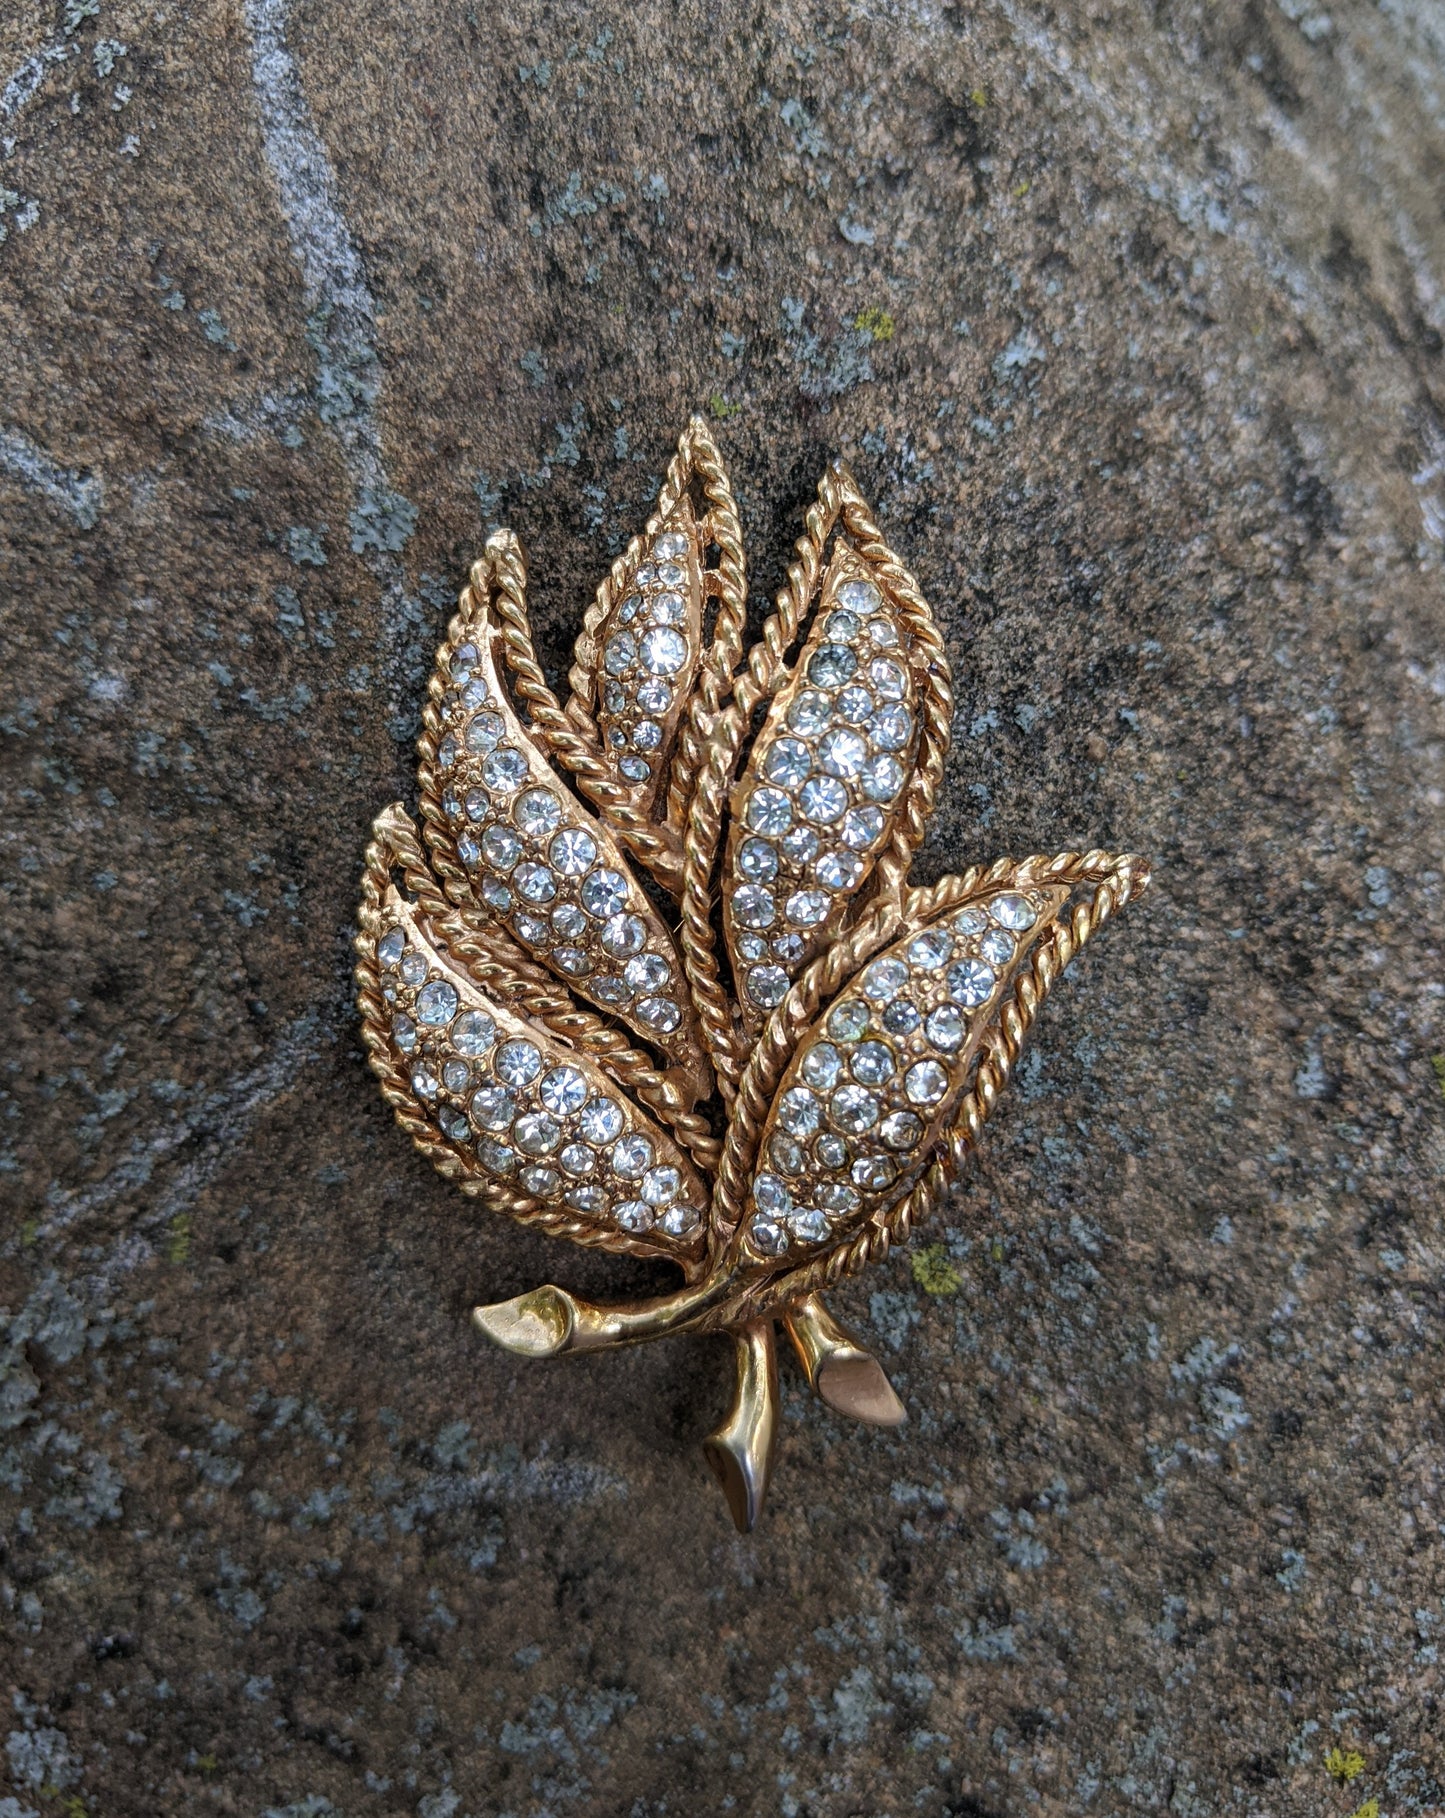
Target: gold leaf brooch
{"x": 650, "y": 976}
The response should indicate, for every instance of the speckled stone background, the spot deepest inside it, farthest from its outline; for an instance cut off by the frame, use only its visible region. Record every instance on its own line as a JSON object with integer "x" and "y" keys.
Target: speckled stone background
{"x": 1129, "y": 317}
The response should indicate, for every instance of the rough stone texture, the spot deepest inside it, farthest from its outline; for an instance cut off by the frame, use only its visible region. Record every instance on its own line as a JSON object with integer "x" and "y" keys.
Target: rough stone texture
{"x": 1129, "y": 317}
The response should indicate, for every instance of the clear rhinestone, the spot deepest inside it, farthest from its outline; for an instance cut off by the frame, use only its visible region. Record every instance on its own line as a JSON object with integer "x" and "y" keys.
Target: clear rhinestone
{"x": 672, "y": 574}
{"x": 810, "y": 1225}
{"x": 603, "y": 892}
{"x": 901, "y": 1130}
{"x": 946, "y": 1027}
{"x": 532, "y": 929}
{"x": 648, "y": 972}
{"x": 403, "y": 1032}
{"x": 436, "y": 1003}
{"x": 752, "y": 946}
{"x": 885, "y": 978}
{"x": 836, "y": 1197}
{"x": 478, "y": 804}
{"x": 474, "y": 692}
{"x": 853, "y": 1109}
{"x": 497, "y": 1157}
{"x": 861, "y": 597}
{"x": 1013, "y": 910}
{"x": 413, "y": 969}
{"x": 861, "y": 827}
{"x": 563, "y": 1091}
{"x": 647, "y": 735}
{"x": 789, "y": 949}
{"x": 822, "y": 799}
{"x": 664, "y": 651}
{"x": 534, "y": 884}
{"x": 810, "y": 712}
{"x": 614, "y": 695}
{"x": 970, "y": 921}
{"x": 769, "y": 811}
{"x": 660, "y": 1186}
{"x": 900, "y": 1017}
{"x": 503, "y": 770}
{"x": 620, "y": 654}
{"x": 788, "y": 761}
{"x": 392, "y": 945}
{"x": 891, "y": 728}
{"x": 855, "y": 704}
{"x": 931, "y": 949}
{"x": 831, "y": 1151}
{"x": 453, "y": 1125}
{"x": 631, "y": 1156}
{"x": 848, "y": 1020}
{"x": 518, "y": 1063}
{"x": 485, "y": 731}
{"x": 586, "y": 1199}
{"x": 667, "y": 609}
{"x": 799, "y": 845}
{"x": 753, "y": 906}
{"x": 634, "y": 1215}
{"x": 842, "y": 752}
{"x": 577, "y": 1158}
{"x": 970, "y": 981}
{"x": 646, "y": 575}
{"x": 874, "y": 1172}
{"x": 612, "y": 990}
{"x": 493, "y": 1108}
{"x": 541, "y": 1183}
{"x": 456, "y": 1075}
{"x": 461, "y": 662}
{"x": 670, "y": 546}
{"x": 767, "y": 986}
{"x": 831, "y": 665}
{"x": 572, "y": 851}
{"x": 473, "y": 1032}
{"x": 888, "y": 678}
{"x": 537, "y": 1133}
{"x": 654, "y": 696}
{"x": 659, "y": 1013}
{"x": 807, "y": 907}
{"x": 680, "y": 1221}
{"x": 767, "y": 1238}
{"x": 925, "y": 1082}
{"x": 469, "y": 852}
{"x": 452, "y": 806}
{"x": 872, "y": 1063}
{"x": 799, "y": 1111}
{"x": 576, "y": 961}
{"x": 839, "y": 871}
{"x": 882, "y": 777}
{"x": 623, "y": 935}
{"x": 771, "y": 1194}
{"x": 635, "y": 769}
{"x": 537, "y": 813}
{"x": 600, "y": 1121}
{"x": 757, "y": 861}
{"x": 786, "y": 1155}
{"x": 447, "y": 753}
{"x": 822, "y": 1065}
{"x": 569, "y": 922}
{"x": 997, "y": 946}
{"x": 883, "y": 634}
{"x": 844, "y": 627}
{"x": 501, "y": 847}
{"x": 496, "y": 895}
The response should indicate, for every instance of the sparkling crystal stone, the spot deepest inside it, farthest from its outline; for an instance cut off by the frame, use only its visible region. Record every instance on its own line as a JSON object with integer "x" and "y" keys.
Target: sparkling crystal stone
{"x": 572, "y": 851}
{"x": 900, "y": 1017}
{"x": 861, "y": 827}
{"x": 667, "y": 609}
{"x": 462, "y": 658}
{"x": 970, "y": 921}
{"x": 493, "y": 1108}
{"x": 785, "y": 1154}
{"x": 888, "y": 678}
{"x": 447, "y": 753}
{"x": 612, "y": 989}
{"x": 569, "y": 922}
{"x": 413, "y": 969}
{"x": 660, "y": 1186}
{"x": 485, "y": 731}
{"x": 901, "y": 1130}
{"x": 534, "y": 884}
{"x": 603, "y": 892}
{"x": 872, "y": 1063}
{"x": 437, "y": 1002}
{"x": 855, "y": 704}
{"x": 468, "y": 851}
{"x": 635, "y": 769}
{"x": 577, "y": 1158}
{"x": 623, "y": 935}
{"x": 614, "y": 696}
{"x": 799, "y": 845}
{"x": 671, "y": 574}
{"x": 453, "y": 1124}
{"x": 537, "y": 1133}
{"x": 799, "y": 1111}
{"x": 853, "y": 1109}
{"x": 620, "y": 654}
{"x": 767, "y": 986}
{"x": 822, "y": 799}
{"x": 809, "y": 1225}
{"x": 844, "y": 627}
{"x": 647, "y": 735}
{"x": 925, "y": 1082}
{"x": 807, "y": 908}
{"x": 601, "y": 1120}
{"x": 842, "y": 752}
{"x": 654, "y": 696}
{"x": 883, "y": 634}
{"x": 885, "y": 978}
{"x": 586, "y": 1199}
{"x": 478, "y": 804}
{"x": 752, "y": 946}
{"x": 970, "y": 981}
{"x": 473, "y": 1032}
{"x": 563, "y": 1090}
{"x": 403, "y": 1032}
{"x": 753, "y": 906}
{"x": 456, "y": 1075}
{"x": 836, "y": 1197}
{"x": 497, "y": 1157}
{"x": 496, "y": 895}
{"x": 767, "y": 1238}
{"x": 630, "y": 1156}
{"x": 474, "y": 692}
{"x": 537, "y": 813}
{"x": 769, "y": 811}
{"x": 831, "y": 665}
{"x": 541, "y": 1183}
{"x": 891, "y": 728}
{"x": 504, "y": 770}
{"x": 848, "y": 1020}
{"x": 646, "y": 575}
{"x": 997, "y": 947}
{"x": 648, "y": 972}
{"x": 518, "y": 1063}
{"x": 670, "y": 546}
{"x": 424, "y": 1082}
{"x": 634, "y": 1215}
{"x": 757, "y": 861}
{"x": 946, "y": 1028}
{"x": 839, "y": 870}
{"x": 659, "y": 1013}
{"x": 822, "y": 1065}
{"x": 576, "y": 961}
{"x": 882, "y": 777}
{"x": 392, "y": 944}
{"x": 1013, "y": 911}
{"x": 532, "y": 929}
{"x": 680, "y": 1221}
{"x": 771, "y": 1194}
{"x": 831, "y": 1151}
{"x": 789, "y": 949}
{"x": 874, "y": 1172}
{"x": 788, "y": 761}
{"x": 664, "y": 651}
{"x": 810, "y": 712}
{"x": 861, "y": 597}
{"x": 931, "y": 949}
{"x": 501, "y": 847}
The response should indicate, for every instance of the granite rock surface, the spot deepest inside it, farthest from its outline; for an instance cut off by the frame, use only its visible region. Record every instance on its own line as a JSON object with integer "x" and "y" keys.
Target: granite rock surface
{"x": 1129, "y": 319}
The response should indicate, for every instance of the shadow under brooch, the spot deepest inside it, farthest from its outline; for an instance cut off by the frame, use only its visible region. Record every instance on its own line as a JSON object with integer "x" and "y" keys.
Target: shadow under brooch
{"x": 650, "y": 975}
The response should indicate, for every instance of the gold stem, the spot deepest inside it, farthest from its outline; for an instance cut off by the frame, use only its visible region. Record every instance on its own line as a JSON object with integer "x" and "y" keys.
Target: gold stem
{"x": 549, "y": 1321}
{"x": 741, "y": 1451}
{"x": 839, "y": 1369}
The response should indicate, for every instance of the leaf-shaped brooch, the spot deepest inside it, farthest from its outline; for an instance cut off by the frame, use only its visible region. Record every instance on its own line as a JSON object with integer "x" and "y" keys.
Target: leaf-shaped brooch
{"x": 650, "y": 976}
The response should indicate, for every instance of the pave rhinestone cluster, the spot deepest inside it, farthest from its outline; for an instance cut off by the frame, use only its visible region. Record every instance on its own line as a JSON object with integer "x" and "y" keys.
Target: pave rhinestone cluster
{"x": 822, "y": 787}
{"x": 545, "y": 867}
{"x": 860, "y": 1105}
{"x": 538, "y": 1117}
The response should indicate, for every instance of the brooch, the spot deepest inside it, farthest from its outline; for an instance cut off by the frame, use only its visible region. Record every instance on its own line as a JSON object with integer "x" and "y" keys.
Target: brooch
{"x": 646, "y": 971}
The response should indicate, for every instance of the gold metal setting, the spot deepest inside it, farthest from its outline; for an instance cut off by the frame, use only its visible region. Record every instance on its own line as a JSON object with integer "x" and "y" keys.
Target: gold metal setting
{"x": 770, "y": 1080}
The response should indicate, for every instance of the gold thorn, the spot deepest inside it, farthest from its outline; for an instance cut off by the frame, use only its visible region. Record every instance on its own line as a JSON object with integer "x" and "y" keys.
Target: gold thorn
{"x": 741, "y": 1451}
{"x": 839, "y": 1369}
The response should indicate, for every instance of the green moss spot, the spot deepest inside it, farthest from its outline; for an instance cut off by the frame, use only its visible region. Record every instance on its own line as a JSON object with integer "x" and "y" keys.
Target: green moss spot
{"x": 178, "y": 1244}
{"x": 29, "y": 1231}
{"x": 1437, "y": 1061}
{"x": 933, "y": 1272}
{"x": 721, "y": 408}
{"x": 1344, "y": 1764}
{"x": 874, "y": 321}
